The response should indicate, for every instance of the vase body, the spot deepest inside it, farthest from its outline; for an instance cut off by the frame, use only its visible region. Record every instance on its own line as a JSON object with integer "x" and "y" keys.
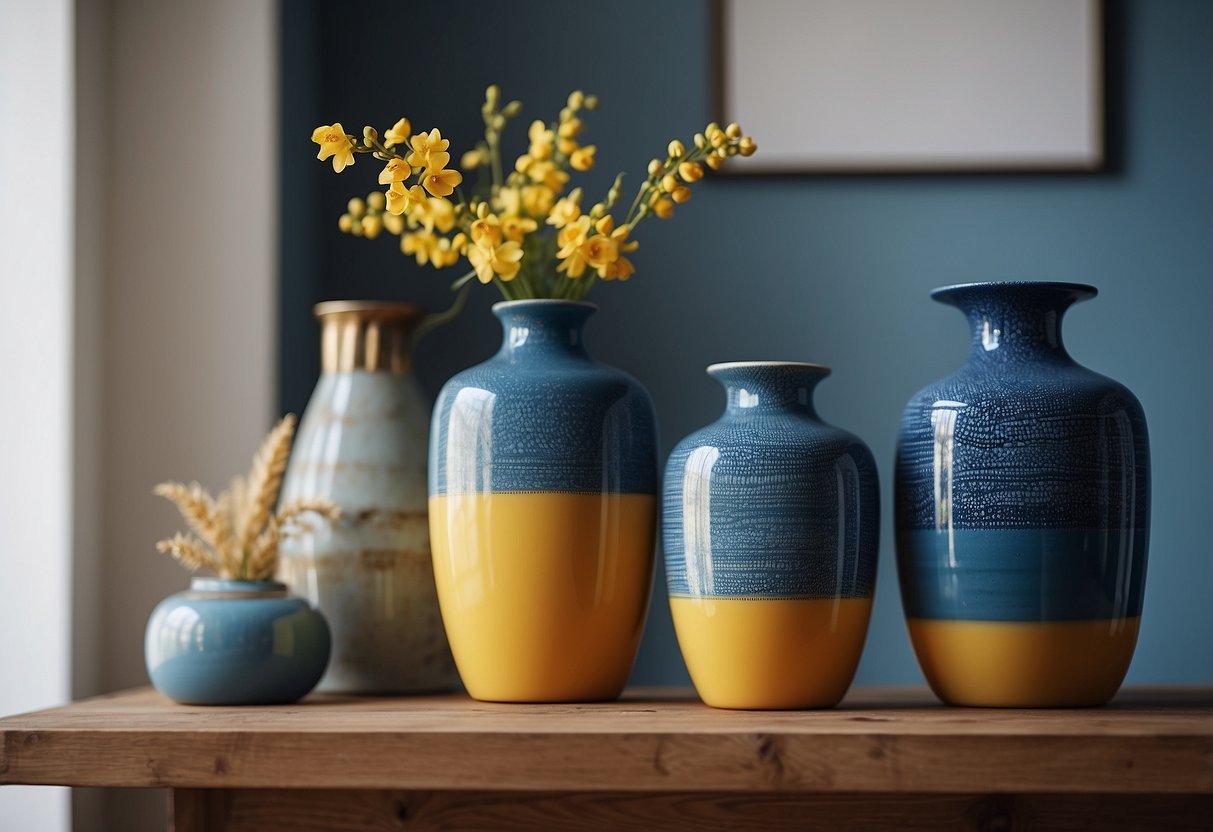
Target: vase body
{"x": 543, "y": 513}
{"x": 362, "y": 445}
{"x": 1022, "y": 512}
{"x": 227, "y": 642}
{"x": 770, "y": 528}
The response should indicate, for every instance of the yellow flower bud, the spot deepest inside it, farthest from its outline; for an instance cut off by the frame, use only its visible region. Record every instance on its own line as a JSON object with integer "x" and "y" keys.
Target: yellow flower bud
{"x": 718, "y": 139}
{"x": 567, "y": 146}
{"x": 711, "y": 128}
{"x": 714, "y": 161}
{"x": 371, "y": 226}
{"x": 356, "y": 229}
{"x": 393, "y": 223}
{"x": 370, "y": 134}
{"x": 498, "y": 123}
{"x": 576, "y": 99}
{"x": 690, "y": 171}
{"x": 700, "y": 141}
{"x": 482, "y": 210}
{"x": 655, "y": 168}
{"x": 676, "y": 149}
{"x": 470, "y": 160}
{"x": 356, "y": 207}
{"x": 733, "y": 131}
{"x": 591, "y": 102}
{"x": 492, "y": 95}
{"x": 605, "y": 225}
{"x": 598, "y": 210}
{"x": 746, "y": 146}
{"x": 730, "y": 150}
{"x": 512, "y": 109}
{"x": 570, "y": 127}
{"x": 669, "y": 183}
{"x": 345, "y": 222}
{"x": 681, "y": 194}
{"x": 375, "y": 200}
{"x": 583, "y": 158}
{"x": 663, "y": 208}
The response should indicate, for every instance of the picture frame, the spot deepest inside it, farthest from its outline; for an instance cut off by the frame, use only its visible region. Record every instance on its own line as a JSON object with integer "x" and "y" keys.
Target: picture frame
{"x": 914, "y": 86}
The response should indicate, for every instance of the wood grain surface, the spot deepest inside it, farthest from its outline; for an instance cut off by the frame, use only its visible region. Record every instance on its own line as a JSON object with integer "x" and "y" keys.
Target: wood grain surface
{"x": 1157, "y": 742}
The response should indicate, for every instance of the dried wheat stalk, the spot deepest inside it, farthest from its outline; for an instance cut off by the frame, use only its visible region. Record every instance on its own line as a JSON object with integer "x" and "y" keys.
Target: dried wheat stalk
{"x": 238, "y": 532}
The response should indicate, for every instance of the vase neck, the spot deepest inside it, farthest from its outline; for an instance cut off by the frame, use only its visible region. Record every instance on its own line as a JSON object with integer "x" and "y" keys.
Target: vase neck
{"x": 373, "y": 336}
{"x": 548, "y": 327}
{"x": 1013, "y": 321}
{"x": 755, "y": 387}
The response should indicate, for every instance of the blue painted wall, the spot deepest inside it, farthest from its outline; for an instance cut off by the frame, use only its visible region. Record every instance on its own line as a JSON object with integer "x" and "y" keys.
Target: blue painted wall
{"x": 827, "y": 269}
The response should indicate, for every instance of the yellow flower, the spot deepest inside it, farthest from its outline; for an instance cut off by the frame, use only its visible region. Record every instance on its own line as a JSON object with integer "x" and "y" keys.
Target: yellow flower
{"x": 570, "y": 240}
{"x": 471, "y": 160}
{"x": 334, "y": 142}
{"x": 663, "y": 208}
{"x": 600, "y": 251}
{"x": 429, "y": 151}
{"x": 509, "y": 201}
{"x": 523, "y": 163}
{"x": 371, "y": 226}
{"x": 541, "y": 140}
{"x": 396, "y": 170}
{"x": 441, "y": 215}
{"x": 604, "y": 251}
{"x": 537, "y": 200}
{"x": 399, "y": 134}
{"x": 583, "y": 158}
{"x": 401, "y": 199}
{"x": 690, "y": 171}
{"x": 486, "y": 232}
{"x": 394, "y": 223}
{"x": 621, "y": 269}
{"x": 441, "y": 182}
{"x": 420, "y": 244}
{"x": 566, "y": 209}
{"x": 515, "y": 227}
{"x": 548, "y": 174}
{"x": 446, "y": 252}
{"x": 502, "y": 260}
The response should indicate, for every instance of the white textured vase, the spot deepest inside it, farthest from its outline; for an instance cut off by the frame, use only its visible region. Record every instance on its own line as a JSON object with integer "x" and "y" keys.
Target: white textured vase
{"x": 362, "y": 445}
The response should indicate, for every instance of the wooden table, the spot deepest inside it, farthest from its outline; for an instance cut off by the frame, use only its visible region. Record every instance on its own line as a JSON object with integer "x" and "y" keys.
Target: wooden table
{"x": 653, "y": 760}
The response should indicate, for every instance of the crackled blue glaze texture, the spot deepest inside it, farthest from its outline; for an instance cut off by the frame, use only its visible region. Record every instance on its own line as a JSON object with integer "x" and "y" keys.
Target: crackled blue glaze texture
{"x": 542, "y": 416}
{"x": 235, "y": 643}
{"x": 769, "y": 501}
{"x": 1022, "y": 484}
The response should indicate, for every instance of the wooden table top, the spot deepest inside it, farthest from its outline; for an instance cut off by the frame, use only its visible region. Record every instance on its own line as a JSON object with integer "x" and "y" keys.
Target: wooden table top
{"x": 888, "y": 741}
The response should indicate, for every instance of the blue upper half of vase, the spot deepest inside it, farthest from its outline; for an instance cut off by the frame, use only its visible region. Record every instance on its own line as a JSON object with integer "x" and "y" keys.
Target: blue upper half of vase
{"x": 769, "y": 501}
{"x": 541, "y": 415}
{"x": 1022, "y": 436}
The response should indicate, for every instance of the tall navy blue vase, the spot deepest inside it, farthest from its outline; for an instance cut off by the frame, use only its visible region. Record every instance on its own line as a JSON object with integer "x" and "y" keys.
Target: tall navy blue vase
{"x": 1022, "y": 510}
{"x": 770, "y": 526}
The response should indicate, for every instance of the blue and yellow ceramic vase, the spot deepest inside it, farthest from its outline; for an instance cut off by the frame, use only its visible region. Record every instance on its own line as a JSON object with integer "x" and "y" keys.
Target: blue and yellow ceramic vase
{"x": 770, "y": 524}
{"x": 1023, "y": 508}
{"x": 543, "y": 513}
{"x": 225, "y": 642}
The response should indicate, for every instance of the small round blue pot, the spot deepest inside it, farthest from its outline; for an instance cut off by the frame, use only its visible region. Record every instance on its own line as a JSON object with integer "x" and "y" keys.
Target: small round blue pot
{"x": 227, "y": 642}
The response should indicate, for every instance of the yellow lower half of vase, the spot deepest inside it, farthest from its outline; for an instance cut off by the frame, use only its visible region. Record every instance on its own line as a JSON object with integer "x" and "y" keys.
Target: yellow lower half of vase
{"x": 771, "y": 653}
{"x": 1024, "y": 664}
{"x": 543, "y": 595}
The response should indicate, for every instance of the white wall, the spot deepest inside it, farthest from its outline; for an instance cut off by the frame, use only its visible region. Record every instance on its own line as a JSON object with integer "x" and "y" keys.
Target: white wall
{"x": 36, "y": 96}
{"x": 138, "y": 273}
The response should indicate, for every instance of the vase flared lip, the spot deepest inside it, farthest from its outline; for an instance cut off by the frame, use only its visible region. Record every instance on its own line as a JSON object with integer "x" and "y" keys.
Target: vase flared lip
{"x": 768, "y": 365}
{"x": 233, "y": 586}
{"x": 382, "y": 309}
{"x": 1075, "y": 291}
{"x": 507, "y": 305}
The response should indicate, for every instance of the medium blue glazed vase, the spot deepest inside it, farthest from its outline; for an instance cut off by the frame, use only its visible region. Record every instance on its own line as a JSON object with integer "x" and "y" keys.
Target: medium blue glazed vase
{"x": 543, "y": 513}
{"x": 225, "y": 642}
{"x": 1023, "y": 507}
{"x": 770, "y": 523}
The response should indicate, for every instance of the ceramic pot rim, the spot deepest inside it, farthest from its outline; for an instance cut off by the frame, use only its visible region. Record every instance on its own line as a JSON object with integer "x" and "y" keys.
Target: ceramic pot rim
{"x": 773, "y": 365}
{"x": 369, "y": 309}
{"x": 523, "y": 302}
{"x": 231, "y": 588}
{"x": 1081, "y": 291}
